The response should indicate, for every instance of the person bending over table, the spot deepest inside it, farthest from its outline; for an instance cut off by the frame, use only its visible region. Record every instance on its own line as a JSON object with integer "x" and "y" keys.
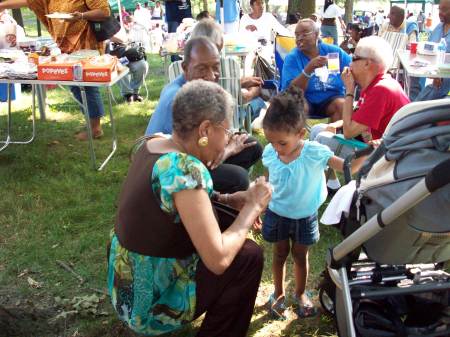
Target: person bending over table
{"x": 324, "y": 98}
{"x": 381, "y": 97}
{"x": 71, "y": 35}
{"x": 170, "y": 259}
{"x": 202, "y": 61}
{"x": 138, "y": 67}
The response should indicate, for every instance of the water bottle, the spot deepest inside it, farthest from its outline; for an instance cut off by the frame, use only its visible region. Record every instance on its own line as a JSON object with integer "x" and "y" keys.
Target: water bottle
{"x": 442, "y": 48}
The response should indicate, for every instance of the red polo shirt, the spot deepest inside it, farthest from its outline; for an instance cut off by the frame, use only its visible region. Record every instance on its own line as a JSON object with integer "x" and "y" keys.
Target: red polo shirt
{"x": 378, "y": 103}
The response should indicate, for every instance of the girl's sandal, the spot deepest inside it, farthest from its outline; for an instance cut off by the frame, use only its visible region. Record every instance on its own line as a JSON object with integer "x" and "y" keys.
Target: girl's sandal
{"x": 277, "y": 310}
{"x": 305, "y": 310}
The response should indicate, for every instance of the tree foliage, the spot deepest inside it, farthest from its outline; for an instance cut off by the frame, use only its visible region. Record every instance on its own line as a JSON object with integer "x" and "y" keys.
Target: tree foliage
{"x": 303, "y": 7}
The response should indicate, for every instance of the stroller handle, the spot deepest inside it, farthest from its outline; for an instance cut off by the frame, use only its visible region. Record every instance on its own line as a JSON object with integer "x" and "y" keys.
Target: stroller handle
{"x": 439, "y": 176}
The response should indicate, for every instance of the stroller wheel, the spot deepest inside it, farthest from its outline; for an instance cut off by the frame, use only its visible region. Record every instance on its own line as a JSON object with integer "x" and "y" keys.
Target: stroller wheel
{"x": 327, "y": 301}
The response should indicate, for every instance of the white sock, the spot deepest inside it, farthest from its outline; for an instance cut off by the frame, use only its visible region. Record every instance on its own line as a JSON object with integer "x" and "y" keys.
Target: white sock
{"x": 333, "y": 184}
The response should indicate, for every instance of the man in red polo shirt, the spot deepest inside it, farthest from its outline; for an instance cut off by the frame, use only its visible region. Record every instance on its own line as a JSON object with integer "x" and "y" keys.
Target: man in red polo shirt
{"x": 381, "y": 97}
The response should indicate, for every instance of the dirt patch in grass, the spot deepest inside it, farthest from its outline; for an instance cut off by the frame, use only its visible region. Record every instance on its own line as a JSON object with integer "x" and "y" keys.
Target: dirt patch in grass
{"x": 27, "y": 320}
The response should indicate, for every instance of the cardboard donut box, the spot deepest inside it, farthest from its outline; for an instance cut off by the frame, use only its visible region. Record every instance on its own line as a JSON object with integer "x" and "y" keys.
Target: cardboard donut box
{"x": 94, "y": 69}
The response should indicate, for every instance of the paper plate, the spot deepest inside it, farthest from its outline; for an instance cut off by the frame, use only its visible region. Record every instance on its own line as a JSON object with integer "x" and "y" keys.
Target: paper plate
{"x": 61, "y": 16}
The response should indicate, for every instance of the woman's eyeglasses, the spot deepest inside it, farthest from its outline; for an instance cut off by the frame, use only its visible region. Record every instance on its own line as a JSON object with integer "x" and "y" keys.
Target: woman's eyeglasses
{"x": 228, "y": 132}
{"x": 357, "y": 58}
{"x": 304, "y": 35}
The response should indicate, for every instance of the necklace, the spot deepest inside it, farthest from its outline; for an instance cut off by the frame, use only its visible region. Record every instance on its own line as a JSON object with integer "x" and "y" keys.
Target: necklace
{"x": 180, "y": 147}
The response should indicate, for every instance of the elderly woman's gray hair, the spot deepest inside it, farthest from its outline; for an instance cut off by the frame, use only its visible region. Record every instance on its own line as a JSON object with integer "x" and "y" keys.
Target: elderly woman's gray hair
{"x": 197, "y": 101}
{"x": 315, "y": 27}
{"x": 210, "y": 29}
{"x": 377, "y": 49}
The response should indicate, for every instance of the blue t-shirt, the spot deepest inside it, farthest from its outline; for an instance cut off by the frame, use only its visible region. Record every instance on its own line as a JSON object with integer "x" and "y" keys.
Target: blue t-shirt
{"x": 230, "y": 10}
{"x": 316, "y": 91}
{"x": 177, "y": 10}
{"x": 438, "y": 33}
{"x": 161, "y": 120}
{"x": 299, "y": 186}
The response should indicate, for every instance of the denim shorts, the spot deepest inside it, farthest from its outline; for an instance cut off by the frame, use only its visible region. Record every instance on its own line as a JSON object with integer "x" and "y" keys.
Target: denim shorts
{"x": 304, "y": 231}
{"x": 319, "y": 109}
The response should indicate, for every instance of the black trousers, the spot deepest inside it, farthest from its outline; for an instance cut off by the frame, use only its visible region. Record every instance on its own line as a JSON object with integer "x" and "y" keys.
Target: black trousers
{"x": 232, "y": 175}
{"x": 229, "y": 299}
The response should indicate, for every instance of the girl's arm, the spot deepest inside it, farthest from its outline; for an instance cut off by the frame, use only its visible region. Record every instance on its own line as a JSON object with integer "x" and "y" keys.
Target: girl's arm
{"x": 337, "y": 163}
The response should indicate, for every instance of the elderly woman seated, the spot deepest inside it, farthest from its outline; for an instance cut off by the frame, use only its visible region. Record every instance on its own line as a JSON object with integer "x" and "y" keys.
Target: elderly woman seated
{"x": 381, "y": 97}
{"x": 305, "y": 67}
{"x": 171, "y": 259}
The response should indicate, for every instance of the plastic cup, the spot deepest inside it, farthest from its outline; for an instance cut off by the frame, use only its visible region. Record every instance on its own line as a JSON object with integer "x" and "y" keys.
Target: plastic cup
{"x": 328, "y": 40}
{"x": 333, "y": 62}
{"x": 413, "y": 47}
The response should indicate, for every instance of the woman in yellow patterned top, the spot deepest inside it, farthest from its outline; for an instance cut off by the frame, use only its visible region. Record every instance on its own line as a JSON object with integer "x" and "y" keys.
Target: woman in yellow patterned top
{"x": 71, "y": 35}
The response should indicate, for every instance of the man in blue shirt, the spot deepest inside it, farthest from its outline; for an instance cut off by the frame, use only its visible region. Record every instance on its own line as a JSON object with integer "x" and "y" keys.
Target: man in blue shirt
{"x": 231, "y": 11}
{"x": 440, "y": 87}
{"x": 202, "y": 61}
{"x": 325, "y": 96}
{"x": 176, "y": 11}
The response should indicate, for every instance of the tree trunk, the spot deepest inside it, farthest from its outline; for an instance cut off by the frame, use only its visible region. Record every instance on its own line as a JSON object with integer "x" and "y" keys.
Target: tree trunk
{"x": 302, "y": 8}
{"x": 17, "y": 15}
{"x": 348, "y": 11}
{"x": 205, "y": 5}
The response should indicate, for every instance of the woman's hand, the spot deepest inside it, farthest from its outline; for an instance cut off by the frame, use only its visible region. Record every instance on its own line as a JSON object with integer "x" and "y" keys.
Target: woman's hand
{"x": 315, "y": 63}
{"x": 259, "y": 194}
{"x": 76, "y": 16}
{"x": 348, "y": 79}
{"x": 236, "y": 200}
{"x": 236, "y": 144}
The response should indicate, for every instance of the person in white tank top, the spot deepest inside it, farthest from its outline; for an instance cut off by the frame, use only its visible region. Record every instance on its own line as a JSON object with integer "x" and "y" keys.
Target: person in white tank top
{"x": 157, "y": 12}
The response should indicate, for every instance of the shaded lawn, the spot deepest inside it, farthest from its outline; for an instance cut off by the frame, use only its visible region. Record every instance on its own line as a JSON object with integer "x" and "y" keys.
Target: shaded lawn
{"x": 54, "y": 207}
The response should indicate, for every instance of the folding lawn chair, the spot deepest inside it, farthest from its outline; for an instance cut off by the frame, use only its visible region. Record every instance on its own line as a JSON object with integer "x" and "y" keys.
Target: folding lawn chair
{"x": 175, "y": 70}
{"x": 398, "y": 41}
{"x": 230, "y": 80}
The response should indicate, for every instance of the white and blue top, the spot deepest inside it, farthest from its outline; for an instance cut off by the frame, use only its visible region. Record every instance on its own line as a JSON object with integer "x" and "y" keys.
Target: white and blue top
{"x": 299, "y": 186}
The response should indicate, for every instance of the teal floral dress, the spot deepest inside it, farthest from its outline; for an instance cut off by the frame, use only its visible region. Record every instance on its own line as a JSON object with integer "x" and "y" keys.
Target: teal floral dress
{"x": 155, "y": 295}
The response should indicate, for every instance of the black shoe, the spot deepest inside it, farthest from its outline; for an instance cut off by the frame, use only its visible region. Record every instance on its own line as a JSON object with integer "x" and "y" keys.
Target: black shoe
{"x": 129, "y": 98}
{"x": 332, "y": 191}
{"x": 137, "y": 98}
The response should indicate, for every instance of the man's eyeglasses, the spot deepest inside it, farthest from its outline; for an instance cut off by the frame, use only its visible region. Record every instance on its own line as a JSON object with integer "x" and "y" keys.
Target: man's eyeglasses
{"x": 228, "y": 132}
{"x": 304, "y": 35}
{"x": 357, "y": 58}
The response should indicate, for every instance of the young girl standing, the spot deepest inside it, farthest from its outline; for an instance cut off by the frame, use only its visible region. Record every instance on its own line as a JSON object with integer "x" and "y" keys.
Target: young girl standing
{"x": 296, "y": 172}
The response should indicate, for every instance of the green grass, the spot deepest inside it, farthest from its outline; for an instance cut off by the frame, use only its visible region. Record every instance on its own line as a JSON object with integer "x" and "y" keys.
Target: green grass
{"x": 55, "y": 207}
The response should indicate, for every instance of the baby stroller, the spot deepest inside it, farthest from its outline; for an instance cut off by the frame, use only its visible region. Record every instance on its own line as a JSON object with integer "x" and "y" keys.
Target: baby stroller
{"x": 386, "y": 277}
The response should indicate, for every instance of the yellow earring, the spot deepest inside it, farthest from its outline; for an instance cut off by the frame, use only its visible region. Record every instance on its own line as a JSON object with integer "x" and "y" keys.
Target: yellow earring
{"x": 203, "y": 141}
